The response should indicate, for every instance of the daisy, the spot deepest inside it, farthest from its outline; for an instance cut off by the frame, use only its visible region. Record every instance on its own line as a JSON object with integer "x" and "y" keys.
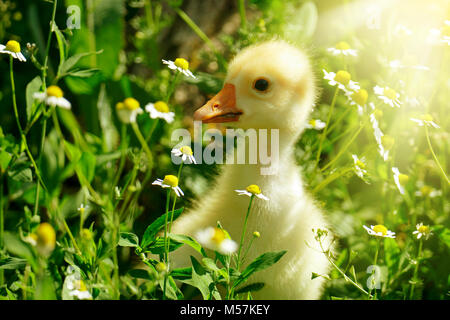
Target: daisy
{"x": 45, "y": 238}
{"x": 160, "y": 110}
{"x": 422, "y": 231}
{"x": 427, "y": 120}
{"x": 342, "y": 79}
{"x": 216, "y": 239}
{"x": 379, "y": 231}
{"x": 397, "y": 64}
{"x": 358, "y": 98}
{"x": 13, "y": 49}
{"x": 439, "y": 36}
{"x": 181, "y": 65}
{"x": 427, "y": 191}
{"x": 252, "y": 190}
{"x": 315, "y": 124}
{"x": 185, "y": 153}
{"x": 74, "y": 287}
{"x": 359, "y": 166}
{"x": 169, "y": 181}
{"x": 53, "y": 96}
{"x": 82, "y": 208}
{"x": 400, "y": 179}
{"x": 128, "y": 110}
{"x": 388, "y": 95}
{"x": 343, "y": 48}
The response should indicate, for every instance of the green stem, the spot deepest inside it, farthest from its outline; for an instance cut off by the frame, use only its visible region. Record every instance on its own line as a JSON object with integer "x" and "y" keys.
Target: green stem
{"x": 434, "y": 156}
{"x": 43, "y": 133}
{"x": 175, "y": 198}
{"x": 142, "y": 142}
{"x": 325, "y": 130}
{"x": 241, "y": 4}
{"x": 166, "y": 249}
{"x": 375, "y": 259}
{"x": 331, "y": 178}
{"x": 416, "y": 270}
{"x": 47, "y": 49}
{"x": 243, "y": 232}
{"x": 2, "y": 224}
{"x": 172, "y": 86}
{"x": 149, "y": 14}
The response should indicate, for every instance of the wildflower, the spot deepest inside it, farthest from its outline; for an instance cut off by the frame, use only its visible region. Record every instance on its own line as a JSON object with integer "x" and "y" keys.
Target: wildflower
{"x": 358, "y": 98}
{"x": 82, "y": 209}
{"x": 400, "y": 179}
{"x": 128, "y": 110}
{"x": 86, "y": 234}
{"x": 181, "y": 65}
{"x": 359, "y": 166}
{"x": 45, "y": 238}
{"x": 169, "y": 181}
{"x": 160, "y": 110}
{"x": 256, "y": 234}
{"x": 425, "y": 119}
{"x": 186, "y": 154}
{"x": 439, "y": 36}
{"x": 388, "y": 95}
{"x": 379, "y": 231}
{"x": 427, "y": 191}
{"x": 216, "y": 239}
{"x": 53, "y": 96}
{"x": 343, "y": 48}
{"x": 422, "y": 231}
{"x": 397, "y": 64}
{"x": 13, "y": 49}
{"x": 342, "y": 79}
{"x": 252, "y": 190}
{"x": 315, "y": 124}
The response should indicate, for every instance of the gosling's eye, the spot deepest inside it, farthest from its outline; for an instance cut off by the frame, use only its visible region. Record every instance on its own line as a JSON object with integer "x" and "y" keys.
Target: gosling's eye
{"x": 261, "y": 85}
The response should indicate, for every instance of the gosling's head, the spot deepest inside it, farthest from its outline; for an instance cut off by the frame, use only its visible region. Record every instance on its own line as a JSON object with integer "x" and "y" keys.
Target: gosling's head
{"x": 268, "y": 85}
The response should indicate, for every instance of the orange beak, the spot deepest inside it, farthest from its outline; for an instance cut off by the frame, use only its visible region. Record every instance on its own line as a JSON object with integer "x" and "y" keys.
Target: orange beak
{"x": 221, "y": 108}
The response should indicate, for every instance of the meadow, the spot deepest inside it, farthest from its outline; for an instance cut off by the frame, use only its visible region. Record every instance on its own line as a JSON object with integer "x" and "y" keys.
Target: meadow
{"x": 91, "y": 92}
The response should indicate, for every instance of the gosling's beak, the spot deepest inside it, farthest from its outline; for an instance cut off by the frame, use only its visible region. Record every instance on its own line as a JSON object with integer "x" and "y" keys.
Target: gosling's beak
{"x": 221, "y": 108}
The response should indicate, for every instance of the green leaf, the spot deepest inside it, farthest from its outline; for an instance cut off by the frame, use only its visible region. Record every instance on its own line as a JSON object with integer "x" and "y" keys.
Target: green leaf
{"x": 392, "y": 253}
{"x": 64, "y": 69}
{"x": 5, "y": 159}
{"x": 17, "y": 247}
{"x": 262, "y": 262}
{"x": 181, "y": 273}
{"x": 32, "y": 87}
{"x": 152, "y": 230}
{"x": 85, "y": 73}
{"x": 11, "y": 263}
{"x": 189, "y": 241}
{"x": 200, "y": 280}
{"x": 109, "y": 132}
{"x": 142, "y": 274}
{"x": 157, "y": 246}
{"x": 62, "y": 44}
{"x": 128, "y": 239}
{"x": 87, "y": 165}
{"x": 250, "y": 287}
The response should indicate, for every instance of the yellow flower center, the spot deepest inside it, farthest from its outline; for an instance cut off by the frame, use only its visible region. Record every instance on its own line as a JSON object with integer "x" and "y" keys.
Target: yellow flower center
{"x": 182, "y": 63}
{"x": 80, "y": 285}
{"x": 219, "y": 235}
{"x": 120, "y": 105}
{"x": 86, "y": 234}
{"x": 46, "y": 235}
{"x": 378, "y": 113}
{"x": 387, "y": 142}
{"x": 424, "y": 229}
{"x": 131, "y": 104}
{"x": 426, "y": 190}
{"x": 13, "y": 46}
{"x": 54, "y": 91}
{"x": 253, "y": 189}
{"x": 379, "y": 228}
{"x": 312, "y": 122}
{"x": 256, "y": 234}
{"x": 342, "y": 77}
{"x": 360, "y": 97}
{"x": 390, "y": 93}
{"x": 171, "y": 180}
{"x": 342, "y": 45}
{"x": 360, "y": 164}
{"x": 161, "y": 106}
{"x": 403, "y": 179}
{"x": 426, "y": 117}
{"x": 186, "y": 150}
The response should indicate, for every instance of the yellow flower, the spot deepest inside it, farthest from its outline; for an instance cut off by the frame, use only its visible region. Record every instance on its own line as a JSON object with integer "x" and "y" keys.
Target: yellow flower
{"x": 379, "y": 230}
{"x": 54, "y": 91}
{"x": 13, "y": 49}
{"x": 169, "y": 181}
{"x": 53, "y": 96}
{"x": 131, "y": 104}
{"x": 360, "y": 97}
{"x": 160, "y": 110}
{"x": 216, "y": 239}
{"x": 422, "y": 231}
{"x": 342, "y": 77}
{"x": 128, "y": 110}
{"x": 46, "y": 238}
{"x": 182, "y": 63}
{"x": 252, "y": 190}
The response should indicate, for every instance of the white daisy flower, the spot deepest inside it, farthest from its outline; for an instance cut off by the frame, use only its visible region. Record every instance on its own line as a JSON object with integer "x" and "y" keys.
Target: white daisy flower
{"x": 186, "y": 154}
{"x": 74, "y": 287}
{"x": 440, "y": 36}
{"x": 160, "y": 110}
{"x": 400, "y": 179}
{"x": 342, "y": 48}
{"x": 53, "y": 97}
{"x": 181, "y": 65}
{"x": 128, "y": 110}
{"x": 379, "y": 231}
{"x": 216, "y": 239}
{"x": 342, "y": 79}
{"x": 82, "y": 208}
{"x": 252, "y": 190}
{"x": 397, "y": 64}
{"x": 388, "y": 95}
{"x": 425, "y": 120}
{"x": 427, "y": 191}
{"x": 422, "y": 231}
{"x": 169, "y": 181}
{"x": 315, "y": 124}
{"x": 13, "y": 49}
{"x": 359, "y": 166}
{"x": 358, "y": 98}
